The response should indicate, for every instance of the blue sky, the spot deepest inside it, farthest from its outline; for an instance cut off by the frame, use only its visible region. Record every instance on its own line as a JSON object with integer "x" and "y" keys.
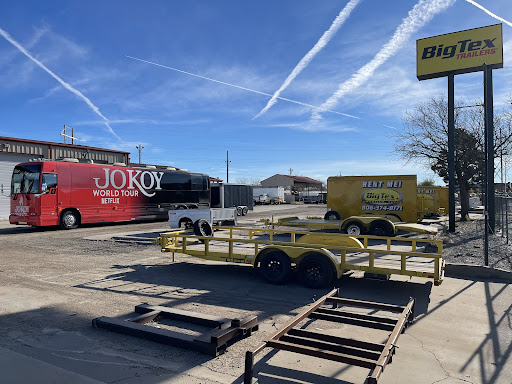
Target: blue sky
{"x": 113, "y": 101}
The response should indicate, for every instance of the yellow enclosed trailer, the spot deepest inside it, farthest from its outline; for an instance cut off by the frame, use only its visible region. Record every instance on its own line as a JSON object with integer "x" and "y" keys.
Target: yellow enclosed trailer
{"x": 317, "y": 257}
{"x": 392, "y": 196}
{"x": 433, "y": 200}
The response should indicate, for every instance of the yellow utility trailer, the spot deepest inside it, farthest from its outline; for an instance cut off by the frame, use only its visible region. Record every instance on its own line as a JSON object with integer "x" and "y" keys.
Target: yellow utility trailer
{"x": 357, "y": 225}
{"x": 318, "y": 258}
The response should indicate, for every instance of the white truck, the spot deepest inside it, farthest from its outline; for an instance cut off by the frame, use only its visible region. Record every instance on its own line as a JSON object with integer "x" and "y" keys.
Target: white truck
{"x": 202, "y": 219}
{"x": 268, "y": 195}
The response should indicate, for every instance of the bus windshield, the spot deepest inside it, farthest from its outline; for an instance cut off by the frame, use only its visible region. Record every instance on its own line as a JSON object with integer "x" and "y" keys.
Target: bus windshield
{"x": 25, "y": 179}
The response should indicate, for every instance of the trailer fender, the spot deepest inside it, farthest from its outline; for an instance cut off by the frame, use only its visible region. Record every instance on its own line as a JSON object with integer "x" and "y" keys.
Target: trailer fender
{"x": 352, "y": 225}
{"x": 382, "y": 227}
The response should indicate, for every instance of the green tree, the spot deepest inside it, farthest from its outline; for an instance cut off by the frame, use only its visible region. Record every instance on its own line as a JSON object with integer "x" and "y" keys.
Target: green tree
{"x": 427, "y": 183}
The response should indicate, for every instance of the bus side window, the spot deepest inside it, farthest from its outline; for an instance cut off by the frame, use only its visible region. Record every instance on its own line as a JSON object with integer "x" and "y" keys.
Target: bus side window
{"x": 50, "y": 181}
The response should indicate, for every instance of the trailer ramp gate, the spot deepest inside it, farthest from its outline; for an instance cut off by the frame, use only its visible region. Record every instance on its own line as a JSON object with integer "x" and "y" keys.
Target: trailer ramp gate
{"x": 211, "y": 342}
{"x": 374, "y": 356}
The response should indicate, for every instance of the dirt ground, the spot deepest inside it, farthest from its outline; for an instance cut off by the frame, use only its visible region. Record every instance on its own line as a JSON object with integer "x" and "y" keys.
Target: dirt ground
{"x": 53, "y": 283}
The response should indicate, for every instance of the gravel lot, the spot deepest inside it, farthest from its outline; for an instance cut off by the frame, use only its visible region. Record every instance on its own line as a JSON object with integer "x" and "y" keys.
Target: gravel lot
{"x": 466, "y": 245}
{"x": 53, "y": 283}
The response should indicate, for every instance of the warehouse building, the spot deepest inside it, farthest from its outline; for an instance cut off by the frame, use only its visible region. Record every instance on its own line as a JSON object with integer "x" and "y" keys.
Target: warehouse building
{"x": 14, "y": 151}
{"x": 292, "y": 183}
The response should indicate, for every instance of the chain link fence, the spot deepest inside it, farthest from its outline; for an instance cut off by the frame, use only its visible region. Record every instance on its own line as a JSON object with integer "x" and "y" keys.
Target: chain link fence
{"x": 504, "y": 216}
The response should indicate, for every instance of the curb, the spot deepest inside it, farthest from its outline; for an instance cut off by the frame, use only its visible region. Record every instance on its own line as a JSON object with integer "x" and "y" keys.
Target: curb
{"x": 477, "y": 271}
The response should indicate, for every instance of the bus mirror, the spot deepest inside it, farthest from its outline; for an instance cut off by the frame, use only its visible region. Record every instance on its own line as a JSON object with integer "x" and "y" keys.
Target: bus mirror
{"x": 44, "y": 188}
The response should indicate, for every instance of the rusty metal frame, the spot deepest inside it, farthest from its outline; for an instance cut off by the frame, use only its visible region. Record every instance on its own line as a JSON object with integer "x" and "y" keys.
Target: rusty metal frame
{"x": 374, "y": 356}
{"x": 211, "y": 342}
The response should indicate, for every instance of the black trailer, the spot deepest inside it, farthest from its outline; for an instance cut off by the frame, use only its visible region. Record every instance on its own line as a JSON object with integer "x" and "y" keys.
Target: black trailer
{"x": 237, "y": 196}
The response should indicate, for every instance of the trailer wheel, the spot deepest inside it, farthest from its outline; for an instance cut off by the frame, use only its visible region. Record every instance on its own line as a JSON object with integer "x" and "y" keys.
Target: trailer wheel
{"x": 380, "y": 228}
{"x": 275, "y": 267}
{"x": 354, "y": 228}
{"x": 332, "y": 215}
{"x": 245, "y": 210}
{"x": 315, "y": 271}
{"x": 202, "y": 228}
{"x": 69, "y": 219}
{"x": 239, "y": 211}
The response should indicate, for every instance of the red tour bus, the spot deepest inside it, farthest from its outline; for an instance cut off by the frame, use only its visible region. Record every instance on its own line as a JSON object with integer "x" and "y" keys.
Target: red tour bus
{"x": 69, "y": 193}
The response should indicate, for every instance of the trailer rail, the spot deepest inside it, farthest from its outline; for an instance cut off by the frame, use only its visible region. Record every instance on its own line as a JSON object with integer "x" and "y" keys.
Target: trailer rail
{"x": 314, "y": 255}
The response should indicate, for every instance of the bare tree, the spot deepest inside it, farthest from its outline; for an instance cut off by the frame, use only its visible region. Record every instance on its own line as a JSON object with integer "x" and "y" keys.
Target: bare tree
{"x": 424, "y": 139}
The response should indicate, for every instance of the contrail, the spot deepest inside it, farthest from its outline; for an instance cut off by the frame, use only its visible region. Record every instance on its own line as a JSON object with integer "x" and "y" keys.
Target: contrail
{"x": 489, "y": 12}
{"x": 418, "y": 16}
{"x": 239, "y": 87}
{"x": 321, "y": 43}
{"x": 94, "y": 108}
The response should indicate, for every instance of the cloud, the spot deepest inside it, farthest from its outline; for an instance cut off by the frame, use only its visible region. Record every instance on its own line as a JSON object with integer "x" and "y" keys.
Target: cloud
{"x": 320, "y": 44}
{"x": 66, "y": 85}
{"x": 238, "y": 86}
{"x": 489, "y": 12}
{"x": 420, "y": 15}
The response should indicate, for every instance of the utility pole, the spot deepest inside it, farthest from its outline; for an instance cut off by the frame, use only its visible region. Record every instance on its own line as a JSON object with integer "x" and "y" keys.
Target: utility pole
{"x": 227, "y": 166}
{"x": 291, "y": 170}
{"x": 139, "y": 147}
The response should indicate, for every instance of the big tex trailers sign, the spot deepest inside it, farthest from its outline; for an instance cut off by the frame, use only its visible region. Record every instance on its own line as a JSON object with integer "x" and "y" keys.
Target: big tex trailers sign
{"x": 459, "y": 52}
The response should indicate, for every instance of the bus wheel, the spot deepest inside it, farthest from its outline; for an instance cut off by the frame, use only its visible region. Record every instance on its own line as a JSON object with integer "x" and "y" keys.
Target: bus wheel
{"x": 380, "y": 228}
{"x": 332, "y": 215}
{"x": 69, "y": 219}
{"x": 275, "y": 267}
{"x": 315, "y": 271}
{"x": 354, "y": 228}
{"x": 202, "y": 228}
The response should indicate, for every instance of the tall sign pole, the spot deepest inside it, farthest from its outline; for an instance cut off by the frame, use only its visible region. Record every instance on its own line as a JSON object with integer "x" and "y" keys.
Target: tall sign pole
{"x": 489, "y": 133}
{"x": 451, "y": 152}
{"x": 473, "y": 50}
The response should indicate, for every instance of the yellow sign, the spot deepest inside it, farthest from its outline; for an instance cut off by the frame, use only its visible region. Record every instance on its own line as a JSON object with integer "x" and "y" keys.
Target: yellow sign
{"x": 459, "y": 52}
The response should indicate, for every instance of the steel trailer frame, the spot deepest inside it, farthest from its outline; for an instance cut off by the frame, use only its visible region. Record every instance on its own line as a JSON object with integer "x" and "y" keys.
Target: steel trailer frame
{"x": 365, "y": 354}
{"x": 183, "y": 241}
{"x": 211, "y": 342}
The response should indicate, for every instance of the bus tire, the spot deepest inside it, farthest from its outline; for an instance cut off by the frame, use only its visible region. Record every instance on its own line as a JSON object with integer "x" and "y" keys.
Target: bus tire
{"x": 354, "y": 228}
{"x": 69, "y": 219}
{"x": 202, "y": 228}
{"x": 332, "y": 215}
{"x": 275, "y": 267}
{"x": 315, "y": 271}
{"x": 381, "y": 228}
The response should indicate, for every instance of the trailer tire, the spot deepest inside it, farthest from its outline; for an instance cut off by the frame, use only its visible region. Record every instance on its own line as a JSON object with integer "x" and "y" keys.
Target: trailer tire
{"x": 202, "y": 228}
{"x": 275, "y": 267}
{"x": 354, "y": 228}
{"x": 381, "y": 228}
{"x": 332, "y": 215}
{"x": 315, "y": 271}
{"x": 69, "y": 219}
{"x": 245, "y": 210}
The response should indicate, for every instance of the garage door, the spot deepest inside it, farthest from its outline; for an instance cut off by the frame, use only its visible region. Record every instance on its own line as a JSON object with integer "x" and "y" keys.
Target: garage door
{"x": 7, "y": 163}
